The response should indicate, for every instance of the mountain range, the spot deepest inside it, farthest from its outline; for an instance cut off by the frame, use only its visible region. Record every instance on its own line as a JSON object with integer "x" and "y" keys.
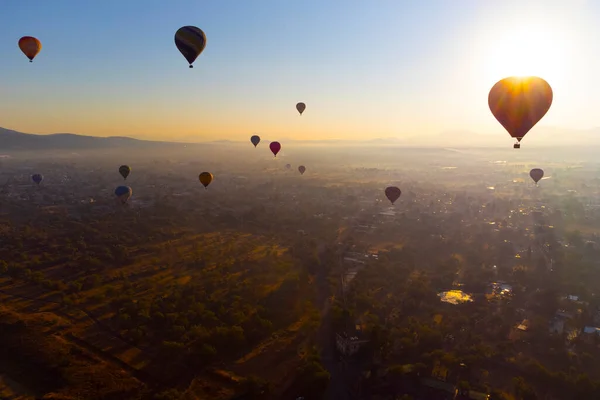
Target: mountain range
{"x": 544, "y": 137}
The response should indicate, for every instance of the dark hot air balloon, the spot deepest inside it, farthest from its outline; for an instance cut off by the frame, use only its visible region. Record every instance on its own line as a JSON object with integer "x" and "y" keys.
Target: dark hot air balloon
{"x": 205, "y": 178}
{"x": 255, "y": 139}
{"x": 123, "y": 193}
{"x": 300, "y": 107}
{"x": 275, "y": 147}
{"x": 536, "y": 174}
{"x": 190, "y": 41}
{"x": 288, "y": 166}
{"x": 30, "y": 46}
{"x": 519, "y": 103}
{"x": 37, "y": 178}
{"x": 392, "y": 193}
{"x": 124, "y": 170}
{"x": 302, "y": 168}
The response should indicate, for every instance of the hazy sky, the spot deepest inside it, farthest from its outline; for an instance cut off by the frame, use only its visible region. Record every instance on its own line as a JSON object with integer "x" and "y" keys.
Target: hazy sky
{"x": 375, "y": 68}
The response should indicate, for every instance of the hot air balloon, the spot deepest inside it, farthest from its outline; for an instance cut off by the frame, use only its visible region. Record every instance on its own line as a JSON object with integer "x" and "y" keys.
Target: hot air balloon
{"x": 288, "y": 166}
{"x": 205, "y": 179}
{"x": 190, "y": 41}
{"x": 255, "y": 139}
{"x": 123, "y": 193}
{"x": 536, "y": 174}
{"x": 392, "y": 193}
{"x": 300, "y": 107}
{"x": 37, "y": 178}
{"x": 275, "y": 147}
{"x": 30, "y": 46}
{"x": 302, "y": 168}
{"x": 519, "y": 103}
{"x": 124, "y": 170}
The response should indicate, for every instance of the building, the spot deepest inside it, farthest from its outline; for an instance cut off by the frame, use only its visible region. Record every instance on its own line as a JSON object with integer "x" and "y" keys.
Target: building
{"x": 348, "y": 345}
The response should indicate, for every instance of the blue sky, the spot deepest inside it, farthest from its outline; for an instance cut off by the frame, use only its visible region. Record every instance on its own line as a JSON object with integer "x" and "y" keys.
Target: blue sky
{"x": 380, "y": 68}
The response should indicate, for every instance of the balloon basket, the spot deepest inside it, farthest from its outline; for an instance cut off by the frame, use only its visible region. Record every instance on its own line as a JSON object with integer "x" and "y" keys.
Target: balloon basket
{"x": 517, "y": 145}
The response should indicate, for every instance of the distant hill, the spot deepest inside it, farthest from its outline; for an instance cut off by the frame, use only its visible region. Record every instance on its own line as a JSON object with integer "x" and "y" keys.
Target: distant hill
{"x": 541, "y": 137}
{"x": 13, "y": 140}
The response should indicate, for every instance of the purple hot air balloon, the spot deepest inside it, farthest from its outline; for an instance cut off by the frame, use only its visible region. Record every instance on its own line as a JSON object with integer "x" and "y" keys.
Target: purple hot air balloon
{"x": 302, "y": 168}
{"x": 37, "y": 178}
{"x": 392, "y": 193}
{"x": 536, "y": 174}
{"x": 275, "y": 147}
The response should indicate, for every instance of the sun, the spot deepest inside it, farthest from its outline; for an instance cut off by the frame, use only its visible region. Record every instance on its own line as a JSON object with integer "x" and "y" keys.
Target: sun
{"x": 526, "y": 50}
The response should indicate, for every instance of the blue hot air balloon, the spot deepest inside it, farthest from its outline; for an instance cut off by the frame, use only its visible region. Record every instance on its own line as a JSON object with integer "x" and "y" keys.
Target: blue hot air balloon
{"x": 123, "y": 193}
{"x": 37, "y": 178}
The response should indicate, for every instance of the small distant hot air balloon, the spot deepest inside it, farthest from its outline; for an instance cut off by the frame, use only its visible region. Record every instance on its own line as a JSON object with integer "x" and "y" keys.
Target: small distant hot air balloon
{"x": 190, "y": 41}
{"x": 30, "y": 46}
{"x": 123, "y": 193}
{"x": 302, "y": 168}
{"x": 520, "y": 103}
{"x": 288, "y": 166}
{"x": 205, "y": 178}
{"x": 255, "y": 139}
{"x": 536, "y": 174}
{"x": 124, "y": 170}
{"x": 275, "y": 147}
{"x": 392, "y": 193}
{"x": 37, "y": 178}
{"x": 300, "y": 107}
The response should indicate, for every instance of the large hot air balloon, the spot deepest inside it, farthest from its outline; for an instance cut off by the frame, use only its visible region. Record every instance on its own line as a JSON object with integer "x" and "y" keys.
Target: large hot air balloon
{"x": 37, "y": 178}
{"x": 30, "y": 46}
{"x": 255, "y": 139}
{"x": 536, "y": 174}
{"x": 302, "y": 168}
{"x": 519, "y": 103}
{"x": 392, "y": 193}
{"x": 288, "y": 166}
{"x": 124, "y": 170}
{"x": 205, "y": 178}
{"x": 190, "y": 41}
{"x": 275, "y": 147}
{"x": 123, "y": 193}
{"x": 300, "y": 107}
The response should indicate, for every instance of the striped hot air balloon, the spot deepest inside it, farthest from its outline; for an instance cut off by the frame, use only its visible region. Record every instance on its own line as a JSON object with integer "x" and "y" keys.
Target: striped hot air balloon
{"x": 190, "y": 41}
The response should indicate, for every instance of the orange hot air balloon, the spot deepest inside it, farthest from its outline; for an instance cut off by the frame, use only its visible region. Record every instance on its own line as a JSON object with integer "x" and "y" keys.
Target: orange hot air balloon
{"x": 519, "y": 103}
{"x": 30, "y": 46}
{"x": 205, "y": 179}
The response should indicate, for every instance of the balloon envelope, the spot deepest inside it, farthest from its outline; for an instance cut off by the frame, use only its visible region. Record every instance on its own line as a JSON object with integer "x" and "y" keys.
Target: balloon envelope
{"x": 519, "y": 103}
{"x": 123, "y": 193}
{"x": 37, "y": 178}
{"x": 302, "y": 168}
{"x": 205, "y": 178}
{"x": 30, "y": 46}
{"x": 124, "y": 170}
{"x": 255, "y": 139}
{"x": 190, "y": 41}
{"x": 275, "y": 147}
{"x": 300, "y": 107}
{"x": 288, "y": 166}
{"x": 392, "y": 193}
{"x": 536, "y": 174}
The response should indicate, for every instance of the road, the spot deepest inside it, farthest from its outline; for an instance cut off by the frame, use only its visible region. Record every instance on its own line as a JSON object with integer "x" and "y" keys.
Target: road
{"x": 339, "y": 385}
